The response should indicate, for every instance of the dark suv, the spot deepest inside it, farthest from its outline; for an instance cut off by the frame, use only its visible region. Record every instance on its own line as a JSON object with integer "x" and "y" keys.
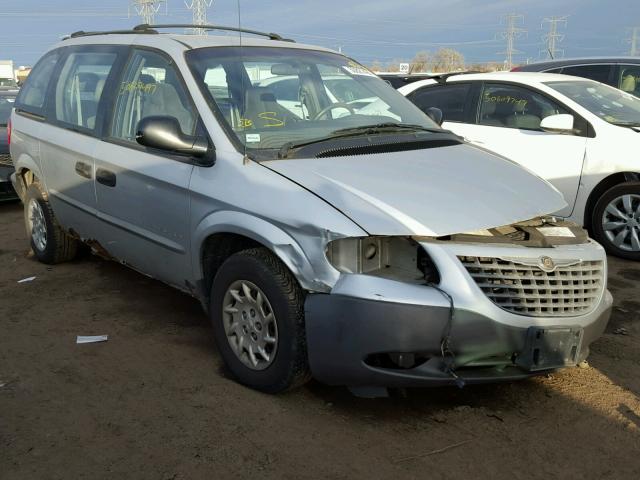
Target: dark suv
{"x": 7, "y": 99}
{"x": 622, "y": 72}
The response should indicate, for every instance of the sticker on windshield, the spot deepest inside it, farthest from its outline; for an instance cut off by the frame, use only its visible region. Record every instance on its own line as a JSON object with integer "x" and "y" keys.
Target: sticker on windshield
{"x": 11, "y": 100}
{"x": 356, "y": 69}
{"x": 253, "y": 138}
{"x": 556, "y": 232}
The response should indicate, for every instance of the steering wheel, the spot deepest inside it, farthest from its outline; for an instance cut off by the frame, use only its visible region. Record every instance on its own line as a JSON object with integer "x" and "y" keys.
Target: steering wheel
{"x": 333, "y": 106}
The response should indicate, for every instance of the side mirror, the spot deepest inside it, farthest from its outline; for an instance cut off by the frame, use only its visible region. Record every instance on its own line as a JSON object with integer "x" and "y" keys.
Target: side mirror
{"x": 561, "y": 123}
{"x": 435, "y": 114}
{"x": 164, "y": 133}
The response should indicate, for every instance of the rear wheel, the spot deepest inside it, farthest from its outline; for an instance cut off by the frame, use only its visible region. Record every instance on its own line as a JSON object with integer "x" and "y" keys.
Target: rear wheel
{"x": 257, "y": 313}
{"x": 49, "y": 242}
{"x": 616, "y": 221}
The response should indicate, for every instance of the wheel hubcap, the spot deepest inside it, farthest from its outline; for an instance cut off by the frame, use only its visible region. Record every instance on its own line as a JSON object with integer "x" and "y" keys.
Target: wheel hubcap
{"x": 37, "y": 225}
{"x": 621, "y": 222}
{"x": 250, "y": 324}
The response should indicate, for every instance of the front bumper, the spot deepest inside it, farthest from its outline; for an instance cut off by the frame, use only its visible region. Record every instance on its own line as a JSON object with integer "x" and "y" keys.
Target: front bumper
{"x": 365, "y": 317}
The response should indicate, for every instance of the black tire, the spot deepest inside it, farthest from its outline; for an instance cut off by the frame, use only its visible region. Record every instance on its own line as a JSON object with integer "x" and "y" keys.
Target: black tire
{"x": 259, "y": 266}
{"x": 60, "y": 247}
{"x": 598, "y": 231}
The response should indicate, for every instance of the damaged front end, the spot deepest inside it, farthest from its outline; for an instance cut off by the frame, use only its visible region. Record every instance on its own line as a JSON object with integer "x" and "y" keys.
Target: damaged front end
{"x": 496, "y": 304}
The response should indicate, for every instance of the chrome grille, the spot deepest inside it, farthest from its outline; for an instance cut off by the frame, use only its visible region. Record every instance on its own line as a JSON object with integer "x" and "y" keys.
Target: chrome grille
{"x": 5, "y": 159}
{"x": 527, "y": 289}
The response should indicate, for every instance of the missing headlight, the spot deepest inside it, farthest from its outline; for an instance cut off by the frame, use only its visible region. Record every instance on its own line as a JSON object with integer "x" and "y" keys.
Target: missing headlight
{"x": 396, "y": 258}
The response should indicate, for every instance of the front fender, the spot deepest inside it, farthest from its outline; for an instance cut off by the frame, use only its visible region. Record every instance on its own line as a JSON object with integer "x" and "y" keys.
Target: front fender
{"x": 271, "y": 236}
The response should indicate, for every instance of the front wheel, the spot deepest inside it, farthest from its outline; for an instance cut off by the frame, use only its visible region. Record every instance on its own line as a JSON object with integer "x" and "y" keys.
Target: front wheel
{"x": 257, "y": 313}
{"x": 616, "y": 221}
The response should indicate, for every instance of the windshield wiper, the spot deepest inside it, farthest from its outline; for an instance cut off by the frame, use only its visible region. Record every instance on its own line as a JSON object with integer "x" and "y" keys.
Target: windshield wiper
{"x": 379, "y": 128}
{"x": 388, "y": 127}
{"x": 627, "y": 124}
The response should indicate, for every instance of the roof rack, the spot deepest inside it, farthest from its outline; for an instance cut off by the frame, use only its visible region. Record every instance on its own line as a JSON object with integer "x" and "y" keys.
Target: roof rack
{"x": 272, "y": 36}
{"x": 144, "y": 29}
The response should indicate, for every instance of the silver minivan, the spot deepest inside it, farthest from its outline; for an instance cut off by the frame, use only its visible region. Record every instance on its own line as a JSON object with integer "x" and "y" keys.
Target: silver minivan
{"x": 353, "y": 241}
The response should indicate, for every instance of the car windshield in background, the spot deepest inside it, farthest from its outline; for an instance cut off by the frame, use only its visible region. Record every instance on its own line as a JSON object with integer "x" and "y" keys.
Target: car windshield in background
{"x": 271, "y": 97}
{"x": 608, "y": 103}
{"x": 6, "y": 104}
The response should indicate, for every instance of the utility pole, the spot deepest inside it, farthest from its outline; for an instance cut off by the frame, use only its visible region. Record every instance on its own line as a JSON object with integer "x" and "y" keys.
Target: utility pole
{"x": 146, "y": 9}
{"x": 511, "y": 33}
{"x": 635, "y": 42}
{"x": 199, "y": 9}
{"x": 553, "y": 38}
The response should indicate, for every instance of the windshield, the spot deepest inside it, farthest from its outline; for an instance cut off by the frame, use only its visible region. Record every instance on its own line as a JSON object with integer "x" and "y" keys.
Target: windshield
{"x": 608, "y": 103}
{"x": 6, "y": 104}
{"x": 270, "y": 97}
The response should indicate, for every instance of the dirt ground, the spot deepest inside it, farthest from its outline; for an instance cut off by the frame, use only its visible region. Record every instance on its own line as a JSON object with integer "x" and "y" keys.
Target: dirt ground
{"x": 155, "y": 402}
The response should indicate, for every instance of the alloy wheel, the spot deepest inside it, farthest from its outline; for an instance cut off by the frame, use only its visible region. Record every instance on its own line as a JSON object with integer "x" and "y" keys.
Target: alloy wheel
{"x": 37, "y": 225}
{"x": 621, "y": 222}
{"x": 250, "y": 324}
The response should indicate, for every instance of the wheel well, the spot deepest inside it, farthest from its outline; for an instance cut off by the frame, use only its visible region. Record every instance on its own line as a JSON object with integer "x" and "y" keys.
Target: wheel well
{"x": 602, "y": 187}
{"x": 27, "y": 177}
{"x": 216, "y": 249}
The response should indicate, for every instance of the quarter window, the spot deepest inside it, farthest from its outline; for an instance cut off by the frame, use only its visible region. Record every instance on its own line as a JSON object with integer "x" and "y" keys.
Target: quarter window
{"x": 151, "y": 87}
{"x": 451, "y": 99}
{"x": 32, "y": 95}
{"x": 80, "y": 88}
{"x": 515, "y": 107}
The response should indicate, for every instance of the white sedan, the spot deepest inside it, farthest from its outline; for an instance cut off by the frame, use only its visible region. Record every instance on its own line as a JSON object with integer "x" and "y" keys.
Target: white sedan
{"x": 580, "y": 135}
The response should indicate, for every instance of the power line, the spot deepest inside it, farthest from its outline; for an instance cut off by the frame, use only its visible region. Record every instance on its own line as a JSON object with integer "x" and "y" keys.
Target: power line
{"x": 199, "y": 9}
{"x": 552, "y": 39}
{"x": 147, "y": 9}
{"x": 635, "y": 42}
{"x": 511, "y": 33}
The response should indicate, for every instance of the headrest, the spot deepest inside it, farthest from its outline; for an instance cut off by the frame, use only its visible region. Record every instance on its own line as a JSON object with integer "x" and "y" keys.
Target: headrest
{"x": 628, "y": 84}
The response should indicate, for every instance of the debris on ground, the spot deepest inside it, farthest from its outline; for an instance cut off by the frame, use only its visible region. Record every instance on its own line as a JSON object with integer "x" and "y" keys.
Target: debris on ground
{"x": 92, "y": 338}
{"x": 26, "y": 280}
{"x": 621, "y": 331}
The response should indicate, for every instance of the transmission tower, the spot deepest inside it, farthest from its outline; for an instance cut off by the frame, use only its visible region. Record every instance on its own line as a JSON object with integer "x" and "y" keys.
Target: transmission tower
{"x": 635, "y": 42}
{"x": 199, "y": 9}
{"x": 511, "y": 33}
{"x": 147, "y": 9}
{"x": 552, "y": 39}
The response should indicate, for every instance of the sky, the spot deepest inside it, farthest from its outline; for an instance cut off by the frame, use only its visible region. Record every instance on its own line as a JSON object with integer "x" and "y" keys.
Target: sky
{"x": 367, "y": 30}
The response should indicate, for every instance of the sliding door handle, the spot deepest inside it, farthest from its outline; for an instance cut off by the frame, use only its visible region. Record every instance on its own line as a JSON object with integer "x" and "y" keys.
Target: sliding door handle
{"x": 105, "y": 177}
{"x": 83, "y": 169}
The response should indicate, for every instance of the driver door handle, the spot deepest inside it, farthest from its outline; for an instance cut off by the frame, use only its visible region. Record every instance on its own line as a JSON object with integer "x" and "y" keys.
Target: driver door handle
{"x": 106, "y": 177}
{"x": 83, "y": 169}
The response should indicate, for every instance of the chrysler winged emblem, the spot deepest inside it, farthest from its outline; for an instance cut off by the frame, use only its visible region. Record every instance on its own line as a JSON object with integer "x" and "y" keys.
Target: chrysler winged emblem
{"x": 547, "y": 263}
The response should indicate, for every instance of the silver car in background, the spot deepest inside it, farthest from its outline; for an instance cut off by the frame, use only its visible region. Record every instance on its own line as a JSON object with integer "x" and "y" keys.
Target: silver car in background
{"x": 370, "y": 249}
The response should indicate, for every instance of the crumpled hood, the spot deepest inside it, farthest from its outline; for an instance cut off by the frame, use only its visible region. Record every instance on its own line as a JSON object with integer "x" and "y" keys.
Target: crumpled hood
{"x": 433, "y": 192}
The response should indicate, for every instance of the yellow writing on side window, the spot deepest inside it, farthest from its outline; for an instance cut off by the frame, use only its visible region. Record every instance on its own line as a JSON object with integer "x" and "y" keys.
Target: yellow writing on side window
{"x": 488, "y": 98}
{"x": 129, "y": 87}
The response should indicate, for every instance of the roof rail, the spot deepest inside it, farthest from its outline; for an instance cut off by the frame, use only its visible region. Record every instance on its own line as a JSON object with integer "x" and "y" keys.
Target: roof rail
{"x": 443, "y": 77}
{"x": 143, "y": 28}
{"x": 82, "y": 33}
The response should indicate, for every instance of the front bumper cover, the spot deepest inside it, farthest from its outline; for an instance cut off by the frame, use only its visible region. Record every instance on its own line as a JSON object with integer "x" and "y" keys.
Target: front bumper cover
{"x": 342, "y": 332}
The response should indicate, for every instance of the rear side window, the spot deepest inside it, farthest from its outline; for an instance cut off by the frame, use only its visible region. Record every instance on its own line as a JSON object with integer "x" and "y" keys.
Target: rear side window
{"x": 80, "y": 87}
{"x": 32, "y": 96}
{"x": 599, "y": 73}
{"x": 451, "y": 99}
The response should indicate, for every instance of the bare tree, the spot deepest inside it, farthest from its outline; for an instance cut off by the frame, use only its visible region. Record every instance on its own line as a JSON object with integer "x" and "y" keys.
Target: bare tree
{"x": 420, "y": 63}
{"x": 447, "y": 60}
{"x": 376, "y": 66}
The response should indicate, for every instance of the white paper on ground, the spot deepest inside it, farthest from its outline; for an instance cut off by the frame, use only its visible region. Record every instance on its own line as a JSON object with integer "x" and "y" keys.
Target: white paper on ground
{"x": 28, "y": 279}
{"x": 91, "y": 338}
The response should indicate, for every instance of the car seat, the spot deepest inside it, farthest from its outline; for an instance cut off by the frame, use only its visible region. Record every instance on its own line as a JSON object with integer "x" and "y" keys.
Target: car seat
{"x": 263, "y": 111}
{"x": 165, "y": 101}
{"x": 628, "y": 84}
{"x": 488, "y": 115}
{"x": 521, "y": 119}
